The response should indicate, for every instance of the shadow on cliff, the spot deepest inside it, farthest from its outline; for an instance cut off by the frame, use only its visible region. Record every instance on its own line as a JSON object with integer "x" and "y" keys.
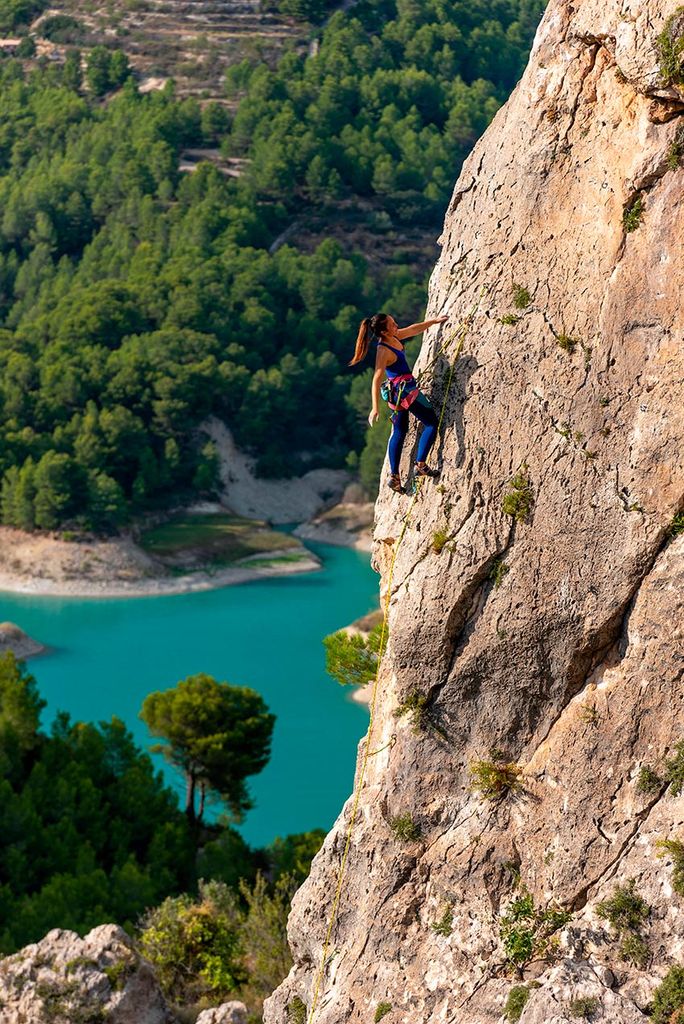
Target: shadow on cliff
{"x": 453, "y": 414}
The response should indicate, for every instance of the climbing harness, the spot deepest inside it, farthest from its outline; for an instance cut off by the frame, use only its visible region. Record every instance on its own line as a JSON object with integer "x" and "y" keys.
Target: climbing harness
{"x": 459, "y": 335}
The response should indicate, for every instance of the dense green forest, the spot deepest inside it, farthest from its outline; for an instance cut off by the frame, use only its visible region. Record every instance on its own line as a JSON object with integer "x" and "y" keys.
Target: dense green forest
{"x": 135, "y": 300}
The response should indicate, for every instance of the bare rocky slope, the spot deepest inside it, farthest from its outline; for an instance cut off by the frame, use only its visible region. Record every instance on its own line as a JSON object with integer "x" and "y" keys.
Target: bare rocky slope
{"x": 572, "y": 667}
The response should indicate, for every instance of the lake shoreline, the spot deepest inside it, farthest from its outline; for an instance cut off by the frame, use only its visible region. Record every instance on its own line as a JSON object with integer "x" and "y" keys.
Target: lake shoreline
{"x": 45, "y": 565}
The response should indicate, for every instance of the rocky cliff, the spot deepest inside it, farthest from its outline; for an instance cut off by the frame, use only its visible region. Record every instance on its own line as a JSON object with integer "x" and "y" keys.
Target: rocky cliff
{"x": 536, "y": 626}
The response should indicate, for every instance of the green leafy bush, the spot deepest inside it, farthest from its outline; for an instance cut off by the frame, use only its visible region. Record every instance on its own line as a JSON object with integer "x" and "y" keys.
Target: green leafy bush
{"x": 674, "y": 848}
{"x": 648, "y": 781}
{"x": 674, "y": 769}
{"x": 631, "y": 217}
{"x": 493, "y": 779}
{"x": 527, "y": 931}
{"x": 445, "y": 924}
{"x": 194, "y": 945}
{"x": 627, "y": 912}
{"x": 668, "y": 999}
{"x": 670, "y": 45}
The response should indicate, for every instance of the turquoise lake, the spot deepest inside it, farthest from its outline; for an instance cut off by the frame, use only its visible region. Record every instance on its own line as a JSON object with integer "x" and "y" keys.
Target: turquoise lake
{"x": 108, "y": 654}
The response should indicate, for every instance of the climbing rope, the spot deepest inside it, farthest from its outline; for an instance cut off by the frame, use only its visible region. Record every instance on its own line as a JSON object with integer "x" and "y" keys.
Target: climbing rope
{"x": 459, "y": 335}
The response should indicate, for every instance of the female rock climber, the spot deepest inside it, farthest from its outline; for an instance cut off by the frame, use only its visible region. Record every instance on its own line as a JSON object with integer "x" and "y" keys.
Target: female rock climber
{"x": 400, "y": 389}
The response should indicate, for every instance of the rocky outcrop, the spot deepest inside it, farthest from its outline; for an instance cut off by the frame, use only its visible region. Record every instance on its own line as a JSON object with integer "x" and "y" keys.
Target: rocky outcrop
{"x": 64, "y": 979}
{"x": 549, "y": 639}
{"x": 14, "y": 639}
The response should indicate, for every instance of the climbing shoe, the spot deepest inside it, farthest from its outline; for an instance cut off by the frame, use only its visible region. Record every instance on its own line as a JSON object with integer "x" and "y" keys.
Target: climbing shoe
{"x": 425, "y": 470}
{"x": 394, "y": 483}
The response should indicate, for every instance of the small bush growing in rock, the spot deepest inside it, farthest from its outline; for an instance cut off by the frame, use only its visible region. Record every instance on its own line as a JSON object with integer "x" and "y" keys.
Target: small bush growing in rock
{"x": 515, "y": 1003}
{"x": 439, "y": 540}
{"x": 626, "y": 912}
{"x": 631, "y": 217}
{"x": 567, "y": 343}
{"x": 528, "y": 932}
{"x": 414, "y": 704}
{"x": 296, "y": 1011}
{"x": 509, "y": 319}
{"x": 670, "y": 45}
{"x": 674, "y": 769}
{"x": 445, "y": 924}
{"x": 648, "y": 781}
{"x": 674, "y": 848}
{"x": 668, "y": 998}
{"x": 584, "y": 1007}
{"x": 494, "y": 779}
{"x": 521, "y": 296}
{"x": 405, "y": 828}
{"x": 518, "y": 501}
{"x": 381, "y": 1010}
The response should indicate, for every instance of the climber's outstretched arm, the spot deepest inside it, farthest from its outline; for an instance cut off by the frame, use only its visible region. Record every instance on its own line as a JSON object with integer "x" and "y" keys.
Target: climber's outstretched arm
{"x": 413, "y": 329}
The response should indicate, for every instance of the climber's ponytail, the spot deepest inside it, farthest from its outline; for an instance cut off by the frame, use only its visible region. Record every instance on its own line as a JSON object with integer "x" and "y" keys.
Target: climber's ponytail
{"x": 370, "y": 329}
{"x": 362, "y": 342}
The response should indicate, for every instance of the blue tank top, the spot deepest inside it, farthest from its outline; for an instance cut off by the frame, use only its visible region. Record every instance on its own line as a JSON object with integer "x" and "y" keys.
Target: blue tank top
{"x": 399, "y": 367}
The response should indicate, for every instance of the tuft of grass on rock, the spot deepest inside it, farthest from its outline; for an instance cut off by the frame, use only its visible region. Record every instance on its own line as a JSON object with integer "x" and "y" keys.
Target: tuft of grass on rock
{"x": 445, "y": 925}
{"x": 521, "y": 296}
{"x": 631, "y": 216}
{"x": 494, "y": 779}
{"x": 516, "y": 1002}
{"x": 509, "y": 319}
{"x": 567, "y": 343}
{"x": 404, "y": 828}
{"x": 584, "y": 1007}
{"x": 439, "y": 540}
{"x": 518, "y": 500}
{"x": 648, "y": 781}
{"x": 381, "y": 1010}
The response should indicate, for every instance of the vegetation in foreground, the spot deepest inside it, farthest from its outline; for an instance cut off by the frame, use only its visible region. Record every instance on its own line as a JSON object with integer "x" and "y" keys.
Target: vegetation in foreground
{"x": 89, "y": 833}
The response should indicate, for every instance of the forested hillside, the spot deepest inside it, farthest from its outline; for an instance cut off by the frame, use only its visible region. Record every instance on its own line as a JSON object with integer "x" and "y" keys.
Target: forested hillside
{"x": 135, "y": 300}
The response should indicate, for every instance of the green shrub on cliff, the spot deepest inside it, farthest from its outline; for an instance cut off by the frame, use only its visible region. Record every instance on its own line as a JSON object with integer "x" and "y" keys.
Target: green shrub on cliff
{"x": 668, "y": 998}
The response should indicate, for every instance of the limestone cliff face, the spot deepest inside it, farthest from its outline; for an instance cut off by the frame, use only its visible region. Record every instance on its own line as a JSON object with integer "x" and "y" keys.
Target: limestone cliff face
{"x": 573, "y": 666}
